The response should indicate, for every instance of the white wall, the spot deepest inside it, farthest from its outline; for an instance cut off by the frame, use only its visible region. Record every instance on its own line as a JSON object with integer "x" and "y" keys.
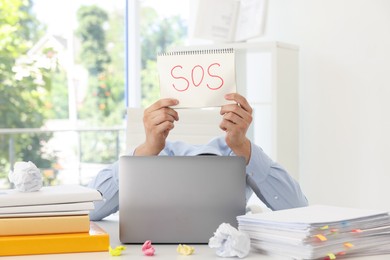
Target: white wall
{"x": 345, "y": 96}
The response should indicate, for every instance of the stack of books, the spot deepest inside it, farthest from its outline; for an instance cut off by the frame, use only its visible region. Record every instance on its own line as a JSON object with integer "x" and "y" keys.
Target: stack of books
{"x": 52, "y": 220}
{"x": 319, "y": 232}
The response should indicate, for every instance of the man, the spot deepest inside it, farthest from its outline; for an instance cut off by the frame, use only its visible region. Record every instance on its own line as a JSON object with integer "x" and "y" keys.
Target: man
{"x": 270, "y": 182}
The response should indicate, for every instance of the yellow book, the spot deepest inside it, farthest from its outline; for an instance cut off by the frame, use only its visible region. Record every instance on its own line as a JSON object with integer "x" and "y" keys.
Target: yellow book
{"x": 93, "y": 241}
{"x": 44, "y": 225}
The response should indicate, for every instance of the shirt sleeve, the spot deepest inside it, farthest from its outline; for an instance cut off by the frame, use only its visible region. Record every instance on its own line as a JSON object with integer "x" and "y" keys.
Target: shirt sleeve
{"x": 271, "y": 183}
{"x": 106, "y": 182}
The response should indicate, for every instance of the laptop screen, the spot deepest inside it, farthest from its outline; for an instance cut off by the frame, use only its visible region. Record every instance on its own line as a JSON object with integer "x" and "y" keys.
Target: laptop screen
{"x": 179, "y": 199}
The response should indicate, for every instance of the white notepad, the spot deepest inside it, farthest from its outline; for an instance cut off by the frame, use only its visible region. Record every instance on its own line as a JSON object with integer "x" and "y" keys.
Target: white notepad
{"x": 197, "y": 78}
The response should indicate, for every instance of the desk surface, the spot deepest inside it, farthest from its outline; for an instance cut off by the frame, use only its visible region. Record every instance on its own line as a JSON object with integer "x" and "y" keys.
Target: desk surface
{"x": 163, "y": 252}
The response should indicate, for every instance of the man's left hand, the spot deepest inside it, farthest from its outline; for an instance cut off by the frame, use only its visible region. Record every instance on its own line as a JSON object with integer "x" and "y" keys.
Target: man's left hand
{"x": 236, "y": 121}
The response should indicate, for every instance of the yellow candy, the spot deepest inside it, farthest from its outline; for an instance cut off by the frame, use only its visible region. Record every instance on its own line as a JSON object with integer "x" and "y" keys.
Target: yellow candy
{"x": 185, "y": 250}
{"x": 117, "y": 251}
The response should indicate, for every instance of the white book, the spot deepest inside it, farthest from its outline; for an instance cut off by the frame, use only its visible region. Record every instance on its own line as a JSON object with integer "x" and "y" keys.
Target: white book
{"x": 49, "y": 195}
{"x": 48, "y": 208}
{"x": 45, "y": 214}
{"x": 230, "y": 20}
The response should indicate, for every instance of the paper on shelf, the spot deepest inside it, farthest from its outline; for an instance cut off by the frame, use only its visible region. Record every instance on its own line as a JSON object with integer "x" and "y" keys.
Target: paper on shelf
{"x": 230, "y": 20}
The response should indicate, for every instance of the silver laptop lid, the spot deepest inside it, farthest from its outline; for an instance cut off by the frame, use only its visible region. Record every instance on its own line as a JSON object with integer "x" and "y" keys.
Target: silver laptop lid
{"x": 179, "y": 199}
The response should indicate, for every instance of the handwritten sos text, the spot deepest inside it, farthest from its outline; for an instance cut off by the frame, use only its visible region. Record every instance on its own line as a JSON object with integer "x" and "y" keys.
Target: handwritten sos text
{"x": 182, "y": 78}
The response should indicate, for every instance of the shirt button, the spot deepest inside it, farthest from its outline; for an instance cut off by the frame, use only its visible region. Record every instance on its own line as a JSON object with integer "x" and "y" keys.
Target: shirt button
{"x": 276, "y": 197}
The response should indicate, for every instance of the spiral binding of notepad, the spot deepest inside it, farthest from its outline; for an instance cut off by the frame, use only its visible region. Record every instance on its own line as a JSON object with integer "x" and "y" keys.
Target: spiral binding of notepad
{"x": 197, "y": 52}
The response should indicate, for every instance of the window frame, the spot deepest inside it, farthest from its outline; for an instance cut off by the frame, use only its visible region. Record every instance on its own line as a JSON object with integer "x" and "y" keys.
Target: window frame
{"x": 133, "y": 54}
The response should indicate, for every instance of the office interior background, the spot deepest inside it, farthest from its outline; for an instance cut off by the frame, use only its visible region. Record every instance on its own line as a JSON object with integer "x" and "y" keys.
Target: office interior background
{"x": 344, "y": 92}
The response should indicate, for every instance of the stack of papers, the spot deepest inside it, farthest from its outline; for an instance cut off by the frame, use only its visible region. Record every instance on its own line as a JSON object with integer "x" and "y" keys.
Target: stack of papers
{"x": 319, "y": 232}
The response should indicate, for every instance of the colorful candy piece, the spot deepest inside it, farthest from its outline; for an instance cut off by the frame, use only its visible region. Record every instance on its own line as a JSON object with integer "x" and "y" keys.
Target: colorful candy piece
{"x": 147, "y": 248}
{"x": 185, "y": 249}
{"x": 117, "y": 251}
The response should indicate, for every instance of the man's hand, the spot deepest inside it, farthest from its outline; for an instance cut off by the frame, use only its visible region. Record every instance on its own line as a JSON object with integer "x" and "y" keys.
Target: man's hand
{"x": 236, "y": 121}
{"x": 158, "y": 120}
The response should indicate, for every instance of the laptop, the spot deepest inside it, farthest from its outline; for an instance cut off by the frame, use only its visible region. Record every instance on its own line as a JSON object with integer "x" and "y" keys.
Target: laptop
{"x": 179, "y": 199}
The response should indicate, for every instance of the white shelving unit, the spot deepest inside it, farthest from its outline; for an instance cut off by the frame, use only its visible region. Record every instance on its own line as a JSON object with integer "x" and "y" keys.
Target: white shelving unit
{"x": 267, "y": 75}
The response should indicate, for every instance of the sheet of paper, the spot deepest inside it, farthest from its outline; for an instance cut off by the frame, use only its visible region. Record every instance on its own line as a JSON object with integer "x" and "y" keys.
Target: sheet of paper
{"x": 199, "y": 78}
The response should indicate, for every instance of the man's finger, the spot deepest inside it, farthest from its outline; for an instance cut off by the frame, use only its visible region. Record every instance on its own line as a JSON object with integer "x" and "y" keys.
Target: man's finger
{"x": 165, "y": 102}
{"x": 240, "y": 100}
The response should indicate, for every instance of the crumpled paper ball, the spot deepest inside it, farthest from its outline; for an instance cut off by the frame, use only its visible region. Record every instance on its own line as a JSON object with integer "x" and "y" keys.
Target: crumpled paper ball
{"x": 26, "y": 177}
{"x": 230, "y": 242}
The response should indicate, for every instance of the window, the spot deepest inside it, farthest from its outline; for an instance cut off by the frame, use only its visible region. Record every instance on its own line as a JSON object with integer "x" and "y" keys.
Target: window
{"x": 67, "y": 75}
{"x": 62, "y": 70}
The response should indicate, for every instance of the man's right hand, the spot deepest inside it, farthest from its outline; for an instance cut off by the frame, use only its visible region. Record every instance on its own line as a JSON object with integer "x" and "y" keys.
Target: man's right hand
{"x": 158, "y": 120}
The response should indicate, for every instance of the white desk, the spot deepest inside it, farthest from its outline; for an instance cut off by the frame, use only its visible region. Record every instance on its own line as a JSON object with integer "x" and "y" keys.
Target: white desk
{"x": 163, "y": 252}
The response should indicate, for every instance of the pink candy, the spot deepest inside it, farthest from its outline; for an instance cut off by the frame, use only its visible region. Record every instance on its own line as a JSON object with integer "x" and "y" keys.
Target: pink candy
{"x": 147, "y": 248}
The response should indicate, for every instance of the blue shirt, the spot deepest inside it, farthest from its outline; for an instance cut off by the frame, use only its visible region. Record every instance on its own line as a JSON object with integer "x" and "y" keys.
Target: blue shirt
{"x": 267, "y": 179}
